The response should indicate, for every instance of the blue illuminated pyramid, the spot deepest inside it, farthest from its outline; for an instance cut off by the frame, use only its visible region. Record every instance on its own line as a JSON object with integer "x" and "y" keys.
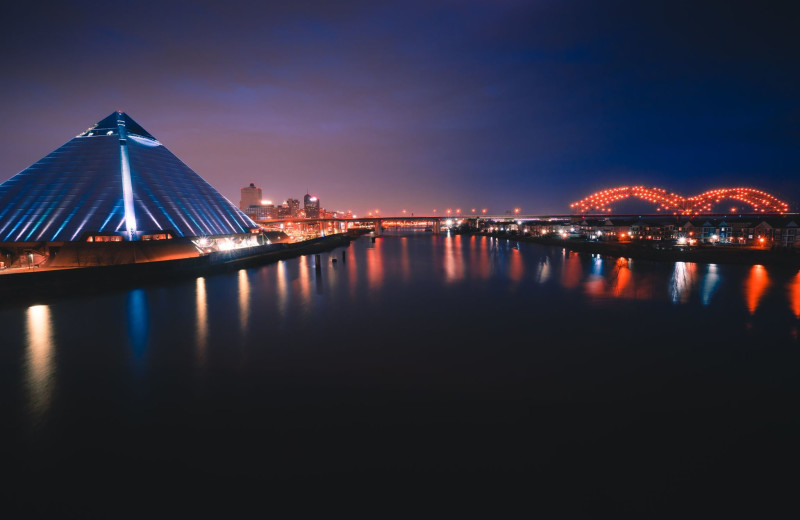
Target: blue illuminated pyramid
{"x": 113, "y": 178}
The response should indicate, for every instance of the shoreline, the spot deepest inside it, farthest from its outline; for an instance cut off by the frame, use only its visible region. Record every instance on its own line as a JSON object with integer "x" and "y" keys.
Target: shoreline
{"x": 31, "y": 286}
{"x": 734, "y": 255}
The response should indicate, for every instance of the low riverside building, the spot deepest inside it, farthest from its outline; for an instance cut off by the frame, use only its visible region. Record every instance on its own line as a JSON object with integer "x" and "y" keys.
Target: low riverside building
{"x": 778, "y": 232}
{"x": 112, "y": 184}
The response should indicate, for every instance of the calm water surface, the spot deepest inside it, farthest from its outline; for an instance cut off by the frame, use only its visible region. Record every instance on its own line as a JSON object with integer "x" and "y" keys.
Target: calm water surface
{"x": 419, "y": 367}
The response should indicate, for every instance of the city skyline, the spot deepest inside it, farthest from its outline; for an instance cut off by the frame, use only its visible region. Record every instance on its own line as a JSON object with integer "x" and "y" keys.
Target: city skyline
{"x": 428, "y": 105}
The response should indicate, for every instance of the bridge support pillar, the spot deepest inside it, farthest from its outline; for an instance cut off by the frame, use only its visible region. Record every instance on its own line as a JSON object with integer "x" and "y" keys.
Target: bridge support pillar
{"x": 377, "y": 228}
{"x": 437, "y": 226}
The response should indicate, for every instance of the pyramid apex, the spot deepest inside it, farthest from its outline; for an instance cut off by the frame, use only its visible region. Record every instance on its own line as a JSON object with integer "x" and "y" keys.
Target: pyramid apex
{"x": 112, "y": 122}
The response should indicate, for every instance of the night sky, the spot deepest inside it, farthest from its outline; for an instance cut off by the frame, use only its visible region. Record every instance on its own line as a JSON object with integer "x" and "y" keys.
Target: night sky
{"x": 420, "y": 105}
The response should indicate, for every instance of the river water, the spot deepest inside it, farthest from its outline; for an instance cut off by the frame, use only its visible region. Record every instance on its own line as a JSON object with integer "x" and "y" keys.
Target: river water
{"x": 448, "y": 368}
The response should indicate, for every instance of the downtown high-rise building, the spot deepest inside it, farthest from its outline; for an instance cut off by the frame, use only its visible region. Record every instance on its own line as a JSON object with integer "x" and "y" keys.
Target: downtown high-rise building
{"x": 311, "y": 206}
{"x": 294, "y": 207}
{"x": 251, "y": 196}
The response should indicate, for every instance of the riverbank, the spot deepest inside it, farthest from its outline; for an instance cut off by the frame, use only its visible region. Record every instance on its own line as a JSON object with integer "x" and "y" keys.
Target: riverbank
{"x": 708, "y": 254}
{"x": 36, "y": 284}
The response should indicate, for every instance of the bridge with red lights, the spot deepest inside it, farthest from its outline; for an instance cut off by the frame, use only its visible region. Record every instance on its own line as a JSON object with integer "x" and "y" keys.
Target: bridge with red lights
{"x": 759, "y": 201}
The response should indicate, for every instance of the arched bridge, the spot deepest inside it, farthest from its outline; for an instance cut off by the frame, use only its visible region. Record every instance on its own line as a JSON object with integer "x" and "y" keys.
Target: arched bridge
{"x": 601, "y": 201}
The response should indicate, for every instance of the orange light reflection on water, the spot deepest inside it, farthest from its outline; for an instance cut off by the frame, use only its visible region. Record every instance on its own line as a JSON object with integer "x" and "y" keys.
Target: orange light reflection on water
{"x": 453, "y": 260}
{"x": 621, "y": 279}
{"x": 202, "y": 318}
{"x": 794, "y": 294}
{"x": 483, "y": 258}
{"x": 516, "y": 267}
{"x": 755, "y": 286}
{"x": 572, "y": 272}
{"x": 244, "y": 299}
{"x": 375, "y": 265}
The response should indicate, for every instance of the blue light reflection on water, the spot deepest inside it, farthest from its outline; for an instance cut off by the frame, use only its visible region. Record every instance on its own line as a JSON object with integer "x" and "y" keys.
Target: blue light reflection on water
{"x": 138, "y": 324}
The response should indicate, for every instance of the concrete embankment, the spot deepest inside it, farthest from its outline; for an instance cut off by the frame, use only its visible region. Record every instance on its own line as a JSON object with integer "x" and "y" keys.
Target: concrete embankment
{"x": 716, "y": 254}
{"x": 27, "y": 286}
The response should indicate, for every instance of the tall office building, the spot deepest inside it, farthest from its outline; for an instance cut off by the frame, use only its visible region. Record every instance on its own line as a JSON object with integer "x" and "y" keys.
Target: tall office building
{"x": 294, "y": 207}
{"x": 251, "y": 196}
{"x": 311, "y": 206}
{"x": 114, "y": 178}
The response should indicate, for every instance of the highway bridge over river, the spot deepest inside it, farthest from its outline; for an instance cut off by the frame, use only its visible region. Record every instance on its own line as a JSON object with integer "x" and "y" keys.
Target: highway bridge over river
{"x": 435, "y": 222}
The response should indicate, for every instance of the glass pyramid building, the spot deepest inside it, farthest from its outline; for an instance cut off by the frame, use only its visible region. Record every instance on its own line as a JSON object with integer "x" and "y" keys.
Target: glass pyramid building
{"x": 114, "y": 178}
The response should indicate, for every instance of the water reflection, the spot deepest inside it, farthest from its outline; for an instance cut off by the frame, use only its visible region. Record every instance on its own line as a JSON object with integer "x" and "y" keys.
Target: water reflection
{"x": 543, "y": 270}
{"x": 516, "y": 267}
{"x": 453, "y": 259}
{"x": 572, "y": 271}
{"x": 375, "y": 265}
{"x": 318, "y": 276}
{"x": 244, "y": 299}
{"x": 304, "y": 282}
{"x": 710, "y": 283}
{"x": 202, "y": 318}
{"x": 283, "y": 288}
{"x": 620, "y": 279}
{"x": 755, "y": 286}
{"x": 684, "y": 276}
{"x": 484, "y": 270}
{"x": 352, "y": 271}
{"x": 794, "y": 294}
{"x": 138, "y": 322}
{"x": 405, "y": 261}
{"x": 39, "y": 358}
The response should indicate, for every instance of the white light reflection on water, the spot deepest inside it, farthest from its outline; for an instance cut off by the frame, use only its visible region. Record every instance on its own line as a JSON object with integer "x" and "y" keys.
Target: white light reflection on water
{"x": 543, "y": 270}
{"x": 39, "y": 358}
{"x": 244, "y": 299}
{"x": 683, "y": 278}
{"x": 282, "y": 285}
{"x": 710, "y": 283}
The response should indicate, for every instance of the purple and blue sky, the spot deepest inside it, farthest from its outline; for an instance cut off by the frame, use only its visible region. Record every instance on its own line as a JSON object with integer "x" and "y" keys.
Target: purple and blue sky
{"x": 420, "y": 105}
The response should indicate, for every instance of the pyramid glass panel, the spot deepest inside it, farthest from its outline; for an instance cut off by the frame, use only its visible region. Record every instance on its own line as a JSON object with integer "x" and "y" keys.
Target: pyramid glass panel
{"x": 113, "y": 178}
